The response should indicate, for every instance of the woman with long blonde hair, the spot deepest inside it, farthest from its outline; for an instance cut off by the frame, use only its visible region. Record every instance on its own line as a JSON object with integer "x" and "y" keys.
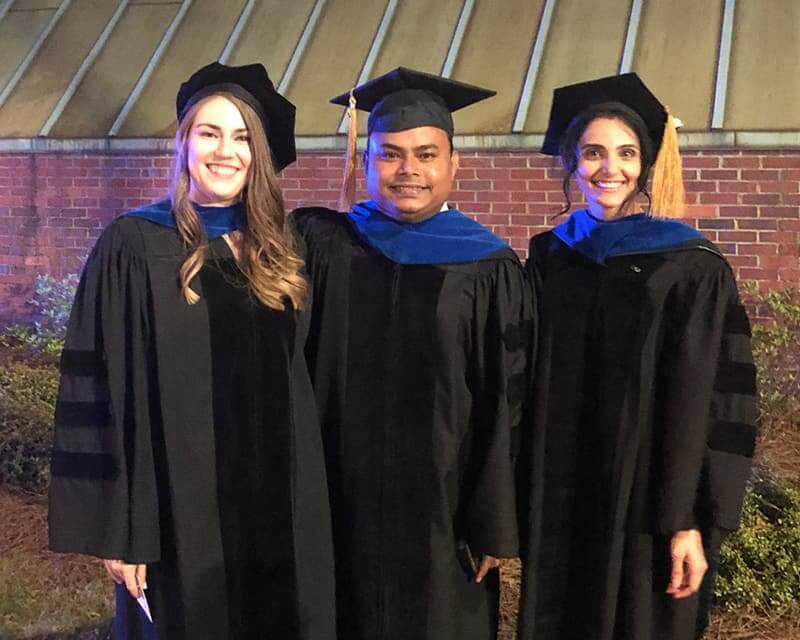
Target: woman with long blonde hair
{"x": 187, "y": 451}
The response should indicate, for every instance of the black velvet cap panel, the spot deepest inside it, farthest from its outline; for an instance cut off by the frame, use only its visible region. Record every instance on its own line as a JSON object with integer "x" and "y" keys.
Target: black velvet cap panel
{"x": 628, "y": 89}
{"x": 251, "y": 84}
{"x": 406, "y": 99}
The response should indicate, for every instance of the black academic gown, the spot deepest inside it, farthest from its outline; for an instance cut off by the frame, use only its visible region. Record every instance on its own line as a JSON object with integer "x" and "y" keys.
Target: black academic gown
{"x": 419, "y": 372}
{"x": 645, "y": 394}
{"x": 187, "y": 439}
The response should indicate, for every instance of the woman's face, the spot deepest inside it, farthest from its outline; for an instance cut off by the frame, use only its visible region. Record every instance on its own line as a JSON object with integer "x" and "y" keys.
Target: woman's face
{"x": 218, "y": 154}
{"x": 609, "y": 164}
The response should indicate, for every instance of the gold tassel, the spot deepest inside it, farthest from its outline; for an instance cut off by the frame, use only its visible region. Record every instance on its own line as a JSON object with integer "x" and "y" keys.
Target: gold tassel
{"x": 348, "y": 191}
{"x": 669, "y": 198}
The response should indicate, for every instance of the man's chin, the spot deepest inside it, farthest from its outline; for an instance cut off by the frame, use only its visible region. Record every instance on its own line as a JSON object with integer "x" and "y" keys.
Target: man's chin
{"x": 405, "y": 212}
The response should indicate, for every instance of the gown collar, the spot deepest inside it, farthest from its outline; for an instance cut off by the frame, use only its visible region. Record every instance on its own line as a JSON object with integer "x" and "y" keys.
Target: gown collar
{"x": 448, "y": 237}
{"x": 217, "y": 221}
{"x": 639, "y": 233}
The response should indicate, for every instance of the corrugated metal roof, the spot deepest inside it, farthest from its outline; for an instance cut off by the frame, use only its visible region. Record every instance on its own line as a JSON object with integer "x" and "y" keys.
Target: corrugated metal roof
{"x": 99, "y": 68}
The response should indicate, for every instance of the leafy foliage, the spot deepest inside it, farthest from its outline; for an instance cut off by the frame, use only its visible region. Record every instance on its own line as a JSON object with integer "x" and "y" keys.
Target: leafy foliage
{"x": 52, "y": 302}
{"x": 760, "y": 563}
{"x": 776, "y": 347}
{"x": 27, "y": 404}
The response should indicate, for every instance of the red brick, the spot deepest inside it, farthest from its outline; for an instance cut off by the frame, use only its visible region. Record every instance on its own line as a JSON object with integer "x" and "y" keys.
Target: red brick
{"x": 775, "y": 262}
{"x": 737, "y": 236}
{"x": 761, "y": 198}
{"x": 531, "y": 173}
{"x": 757, "y": 223}
{"x": 509, "y": 185}
{"x": 493, "y": 174}
{"x": 742, "y": 162}
{"x": 716, "y": 223}
{"x": 789, "y": 162}
{"x": 746, "y": 249}
{"x": 719, "y": 198}
{"x": 743, "y": 261}
{"x": 719, "y": 174}
{"x": 738, "y": 186}
{"x": 700, "y": 162}
{"x": 507, "y": 207}
{"x": 760, "y": 174}
{"x": 737, "y": 212}
{"x": 779, "y": 212}
{"x": 789, "y": 225}
{"x": 695, "y": 186}
{"x": 759, "y": 274}
{"x": 792, "y": 276}
{"x": 543, "y": 161}
{"x": 474, "y": 185}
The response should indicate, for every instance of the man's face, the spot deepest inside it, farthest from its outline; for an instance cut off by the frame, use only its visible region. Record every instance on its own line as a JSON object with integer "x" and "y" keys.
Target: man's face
{"x": 410, "y": 173}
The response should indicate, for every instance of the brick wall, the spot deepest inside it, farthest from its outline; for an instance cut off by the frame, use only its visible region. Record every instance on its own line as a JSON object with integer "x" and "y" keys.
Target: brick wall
{"x": 53, "y": 206}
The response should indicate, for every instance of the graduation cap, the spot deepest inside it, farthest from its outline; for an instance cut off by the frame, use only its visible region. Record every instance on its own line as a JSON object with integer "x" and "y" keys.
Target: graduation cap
{"x": 628, "y": 90}
{"x": 251, "y": 84}
{"x": 399, "y": 100}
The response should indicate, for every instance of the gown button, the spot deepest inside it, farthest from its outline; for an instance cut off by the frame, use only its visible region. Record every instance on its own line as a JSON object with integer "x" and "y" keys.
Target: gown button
{"x": 636, "y": 269}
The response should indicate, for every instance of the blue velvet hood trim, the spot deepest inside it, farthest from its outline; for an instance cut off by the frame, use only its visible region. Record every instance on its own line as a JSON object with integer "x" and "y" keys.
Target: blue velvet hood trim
{"x": 448, "y": 237}
{"x": 599, "y": 240}
{"x": 217, "y": 221}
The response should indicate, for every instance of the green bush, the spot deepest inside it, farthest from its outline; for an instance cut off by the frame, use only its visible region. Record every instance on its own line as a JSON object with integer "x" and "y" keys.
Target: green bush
{"x": 760, "y": 563}
{"x": 776, "y": 348}
{"x": 52, "y": 302}
{"x": 27, "y": 405}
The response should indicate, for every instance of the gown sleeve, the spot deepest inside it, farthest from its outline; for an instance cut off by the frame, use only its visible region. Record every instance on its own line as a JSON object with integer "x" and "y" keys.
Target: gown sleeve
{"x": 499, "y": 372}
{"x": 709, "y": 408}
{"x": 103, "y": 499}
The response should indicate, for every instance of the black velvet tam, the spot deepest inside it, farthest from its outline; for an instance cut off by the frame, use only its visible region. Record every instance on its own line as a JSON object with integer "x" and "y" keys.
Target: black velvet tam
{"x": 251, "y": 84}
{"x": 627, "y": 89}
{"x": 406, "y": 99}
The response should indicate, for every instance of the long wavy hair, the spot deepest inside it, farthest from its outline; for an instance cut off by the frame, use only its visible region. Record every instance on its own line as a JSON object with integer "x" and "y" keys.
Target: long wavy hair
{"x": 269, "y": 258}
{"x": 614, "y": 111}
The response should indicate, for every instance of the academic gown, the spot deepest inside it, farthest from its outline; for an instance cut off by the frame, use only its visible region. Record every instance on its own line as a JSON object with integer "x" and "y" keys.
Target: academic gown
{"x": 186, "y": 439}
{"x": 419, "y": 372}
{"x": 644, "y": 394}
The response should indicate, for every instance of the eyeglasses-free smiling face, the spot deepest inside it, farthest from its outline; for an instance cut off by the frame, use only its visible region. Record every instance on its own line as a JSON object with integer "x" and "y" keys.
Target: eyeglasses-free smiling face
{"x": 410, "y": 173}
{"x": 609, "y": 165}
{"x": 218, "y": 154}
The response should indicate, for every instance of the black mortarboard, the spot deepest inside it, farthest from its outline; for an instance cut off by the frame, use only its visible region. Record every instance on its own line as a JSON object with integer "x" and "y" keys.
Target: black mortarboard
{"x": 405, "y": 99}
{"x": 399, "y": 100}
{"x": 627, "y": 89}
{"x": 668, "y": 197}
{"x": 251, "y": 84}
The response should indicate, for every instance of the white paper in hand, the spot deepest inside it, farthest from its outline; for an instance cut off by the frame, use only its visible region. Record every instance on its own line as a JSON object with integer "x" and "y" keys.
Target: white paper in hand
{"x": 142, "y": 600}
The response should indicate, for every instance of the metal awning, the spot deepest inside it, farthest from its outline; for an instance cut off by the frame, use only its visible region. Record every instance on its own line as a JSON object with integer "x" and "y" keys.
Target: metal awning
{"x": 102, "y": 74}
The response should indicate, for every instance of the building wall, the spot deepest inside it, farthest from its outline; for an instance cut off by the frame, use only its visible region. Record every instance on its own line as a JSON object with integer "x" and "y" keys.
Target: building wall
{"x": 54, "y": 206}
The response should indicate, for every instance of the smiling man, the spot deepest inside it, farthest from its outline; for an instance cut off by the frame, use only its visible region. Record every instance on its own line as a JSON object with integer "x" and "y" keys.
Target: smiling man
{"x": 419, "y": 350}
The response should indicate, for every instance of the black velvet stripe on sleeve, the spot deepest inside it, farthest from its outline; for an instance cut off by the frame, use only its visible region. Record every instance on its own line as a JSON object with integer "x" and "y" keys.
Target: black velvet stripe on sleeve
{"x": 733, "y": 437}
{"x": 76, "y": 362}
{"x": 83, "y": 414}
{"x": 736, "y": 377}
{"x": 90, "y": 466}
{"x": 736, "y": 321}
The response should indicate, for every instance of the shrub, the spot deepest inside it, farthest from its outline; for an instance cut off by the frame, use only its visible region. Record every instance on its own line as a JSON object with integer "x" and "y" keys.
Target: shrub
{"x": 776, "y": 348}
{"x": 760, "y": 562}
{"x": 27, "y": 404}
{"x": 52, "y": 302}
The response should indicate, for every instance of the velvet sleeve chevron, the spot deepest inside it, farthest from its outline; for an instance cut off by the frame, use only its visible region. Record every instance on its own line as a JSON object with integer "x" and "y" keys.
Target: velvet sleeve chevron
{"x": 102, "y": 489}
{"x": 709, "y": 405}
{"x": 732, "y": 428}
